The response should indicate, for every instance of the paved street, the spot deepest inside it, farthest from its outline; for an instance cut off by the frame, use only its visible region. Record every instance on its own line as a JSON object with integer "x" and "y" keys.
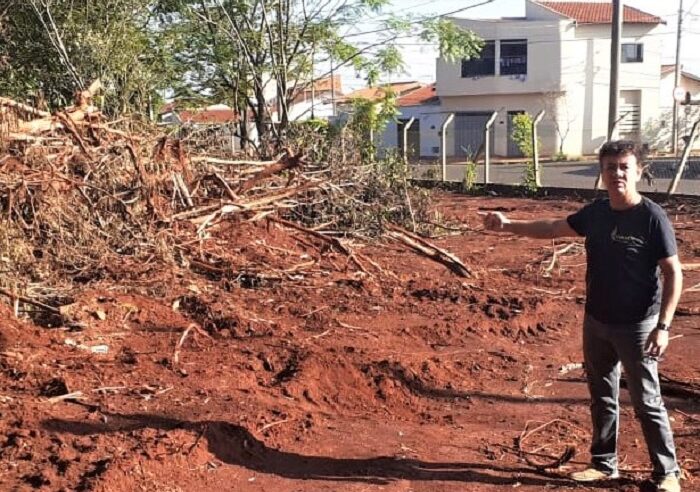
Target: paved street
{"x": 579, "y": 175}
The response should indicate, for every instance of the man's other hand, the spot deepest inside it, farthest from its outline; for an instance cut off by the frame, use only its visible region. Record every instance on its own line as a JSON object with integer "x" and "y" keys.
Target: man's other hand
{"x": 657, "y": 342}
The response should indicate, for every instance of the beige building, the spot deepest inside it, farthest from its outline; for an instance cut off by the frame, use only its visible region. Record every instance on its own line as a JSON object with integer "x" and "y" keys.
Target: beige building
{"x": 556, "y": 58}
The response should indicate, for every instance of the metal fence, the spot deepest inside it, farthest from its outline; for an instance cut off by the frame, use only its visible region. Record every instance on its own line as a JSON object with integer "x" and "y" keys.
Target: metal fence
{"x": 665, "y": 175}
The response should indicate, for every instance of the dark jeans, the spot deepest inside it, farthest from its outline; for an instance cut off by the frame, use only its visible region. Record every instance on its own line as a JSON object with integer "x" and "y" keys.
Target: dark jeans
{"x": 605, "y": 348}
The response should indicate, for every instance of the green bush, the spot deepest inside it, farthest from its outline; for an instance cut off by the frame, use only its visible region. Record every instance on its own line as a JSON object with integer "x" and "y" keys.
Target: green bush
{"x": 522, "y": 135}
{"x": 470, "y": 176}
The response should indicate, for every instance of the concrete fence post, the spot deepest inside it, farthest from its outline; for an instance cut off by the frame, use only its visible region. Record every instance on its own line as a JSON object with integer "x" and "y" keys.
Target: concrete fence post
{"x": 405, "y": 138}
{"x": 535, "y": 148}
{"x": 487, "y": 145}
{"x": 443, "y": 148}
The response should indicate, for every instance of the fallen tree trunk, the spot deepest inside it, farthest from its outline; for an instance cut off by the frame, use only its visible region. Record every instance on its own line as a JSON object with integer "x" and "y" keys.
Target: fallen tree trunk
{"x": 25, "y": 108}
{"x": 288, "y": 161}
{"x": 48, "y": 123}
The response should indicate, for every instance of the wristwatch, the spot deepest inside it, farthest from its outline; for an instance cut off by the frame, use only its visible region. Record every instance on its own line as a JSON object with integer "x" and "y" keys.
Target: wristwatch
{"x": 663, "y": 327}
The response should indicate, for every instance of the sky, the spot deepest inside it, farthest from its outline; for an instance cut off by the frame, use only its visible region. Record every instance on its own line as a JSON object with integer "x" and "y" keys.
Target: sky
{"x": 420, "y": 56}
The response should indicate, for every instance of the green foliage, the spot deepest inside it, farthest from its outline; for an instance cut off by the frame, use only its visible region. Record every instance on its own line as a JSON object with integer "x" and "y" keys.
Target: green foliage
{"x": 394, "y": 199}
{"x": 313, "y": 137}
{"x": 522, "y": 135}
{"x": 454, "y": 42}
{"x": 389, "y": 59}
{"x": 375, "y": 5}
{"x": 370, "y": 118}
{"x": 529, "y": 177}
{"x": 362, "y": 197}
{"x": 224, "y": 51}
{"x": 51, "y": 49}
{"x": 470, "y": 176}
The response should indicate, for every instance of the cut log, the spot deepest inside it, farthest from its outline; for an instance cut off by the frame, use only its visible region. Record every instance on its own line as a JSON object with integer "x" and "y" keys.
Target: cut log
{"x": 38, "y": 304}
{"x": 687, "y": 311}
{"x": 226, "y": 162}
{"x": 25, "y": 108}
{"x": 288, "y": 161}
{"x": 420, "y": 245}
{"x": 48, "y": 123}
{"x": 83, "y": 99}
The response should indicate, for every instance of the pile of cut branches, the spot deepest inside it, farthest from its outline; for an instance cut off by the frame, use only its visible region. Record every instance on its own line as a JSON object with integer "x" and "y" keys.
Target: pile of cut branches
{"x": 81, "y": 196}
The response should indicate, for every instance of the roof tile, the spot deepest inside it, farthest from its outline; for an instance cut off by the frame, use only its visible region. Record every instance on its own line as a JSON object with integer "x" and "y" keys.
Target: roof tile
{"x": 374, "y": 93}
{"x": 423, "y": 95}
{"x": 599, "y": 12}
{"x": 210, "y": 116}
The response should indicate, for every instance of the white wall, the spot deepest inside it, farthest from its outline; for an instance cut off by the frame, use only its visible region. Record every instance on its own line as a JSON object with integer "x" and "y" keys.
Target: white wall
{"x": 531, "y": 103}
{"x": 658, "y": 131}
{"x": 543, "y": 59}
{"x": 301, "y": 111}
{"x": 568, "y": 75}
{"x": 430, "y": 116}
{"x": 586, "y": 79}
{"x": 666, "y": 89}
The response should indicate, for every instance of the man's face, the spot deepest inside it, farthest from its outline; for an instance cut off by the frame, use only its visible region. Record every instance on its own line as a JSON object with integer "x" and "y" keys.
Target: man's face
{"x": 620, "y": 173}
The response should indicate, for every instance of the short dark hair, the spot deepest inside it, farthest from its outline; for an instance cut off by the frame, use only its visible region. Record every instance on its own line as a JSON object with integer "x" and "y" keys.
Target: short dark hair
{"x": 620, "y": 147}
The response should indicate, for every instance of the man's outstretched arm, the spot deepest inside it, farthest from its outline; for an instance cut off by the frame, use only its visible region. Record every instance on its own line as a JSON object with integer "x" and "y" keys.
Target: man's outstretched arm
{"x": 538, "y": 229}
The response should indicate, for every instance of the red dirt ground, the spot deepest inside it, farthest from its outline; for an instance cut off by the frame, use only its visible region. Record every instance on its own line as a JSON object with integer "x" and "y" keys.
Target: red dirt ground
{"x": 319, "y": 378}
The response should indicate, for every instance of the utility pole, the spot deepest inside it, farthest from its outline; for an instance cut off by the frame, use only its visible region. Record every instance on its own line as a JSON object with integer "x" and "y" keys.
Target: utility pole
{"x": 616, "y": 33}
{"x": 676, "y": 81}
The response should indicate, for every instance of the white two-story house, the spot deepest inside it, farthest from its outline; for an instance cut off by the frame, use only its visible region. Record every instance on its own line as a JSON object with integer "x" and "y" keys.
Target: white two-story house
{"x": 556, "y": 58}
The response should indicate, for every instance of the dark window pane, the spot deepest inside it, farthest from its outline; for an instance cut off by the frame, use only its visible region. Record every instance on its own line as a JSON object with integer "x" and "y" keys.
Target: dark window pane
{"x": 514, "y": 57}
{"x": 632, "y": 53}
{"x": 485, "y": 64}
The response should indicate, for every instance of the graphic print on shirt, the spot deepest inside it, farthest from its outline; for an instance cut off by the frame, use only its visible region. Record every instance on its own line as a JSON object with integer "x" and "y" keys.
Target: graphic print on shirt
{"x": 634, "y": 241}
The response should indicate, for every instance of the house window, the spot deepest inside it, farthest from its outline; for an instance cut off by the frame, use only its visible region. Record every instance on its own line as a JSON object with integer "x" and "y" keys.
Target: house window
{"x": 632, "y": 53}
{"x": 514, "y": 57}
{"x": 485, "y": 64}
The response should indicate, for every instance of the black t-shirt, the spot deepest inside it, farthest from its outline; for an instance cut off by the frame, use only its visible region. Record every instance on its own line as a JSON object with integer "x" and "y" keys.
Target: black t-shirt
{"x": 623, "y": 249}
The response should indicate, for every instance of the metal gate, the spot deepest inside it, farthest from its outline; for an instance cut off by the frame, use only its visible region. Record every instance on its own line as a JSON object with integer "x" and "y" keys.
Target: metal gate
{"x": 469, "y": 134}
{"x": 513, "y": 149}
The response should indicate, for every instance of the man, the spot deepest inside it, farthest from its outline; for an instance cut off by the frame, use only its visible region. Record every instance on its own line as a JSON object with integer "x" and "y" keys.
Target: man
{"x": 628, "y": 310}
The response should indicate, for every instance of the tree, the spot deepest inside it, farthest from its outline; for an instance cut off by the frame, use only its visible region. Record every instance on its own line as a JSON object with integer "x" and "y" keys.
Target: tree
{"x": 253, "y": 54}
{"x": 51, "y": 48}
{"x": 556, "y": 108}
{"x": 244, "y": 49}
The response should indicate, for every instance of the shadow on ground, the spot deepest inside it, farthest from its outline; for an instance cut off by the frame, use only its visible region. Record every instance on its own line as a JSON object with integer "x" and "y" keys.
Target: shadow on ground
{"x": 235, "y": 445}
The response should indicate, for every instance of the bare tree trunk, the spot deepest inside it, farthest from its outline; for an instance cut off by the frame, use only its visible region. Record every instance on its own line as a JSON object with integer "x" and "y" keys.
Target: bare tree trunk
{"x": 55, "y": 38}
